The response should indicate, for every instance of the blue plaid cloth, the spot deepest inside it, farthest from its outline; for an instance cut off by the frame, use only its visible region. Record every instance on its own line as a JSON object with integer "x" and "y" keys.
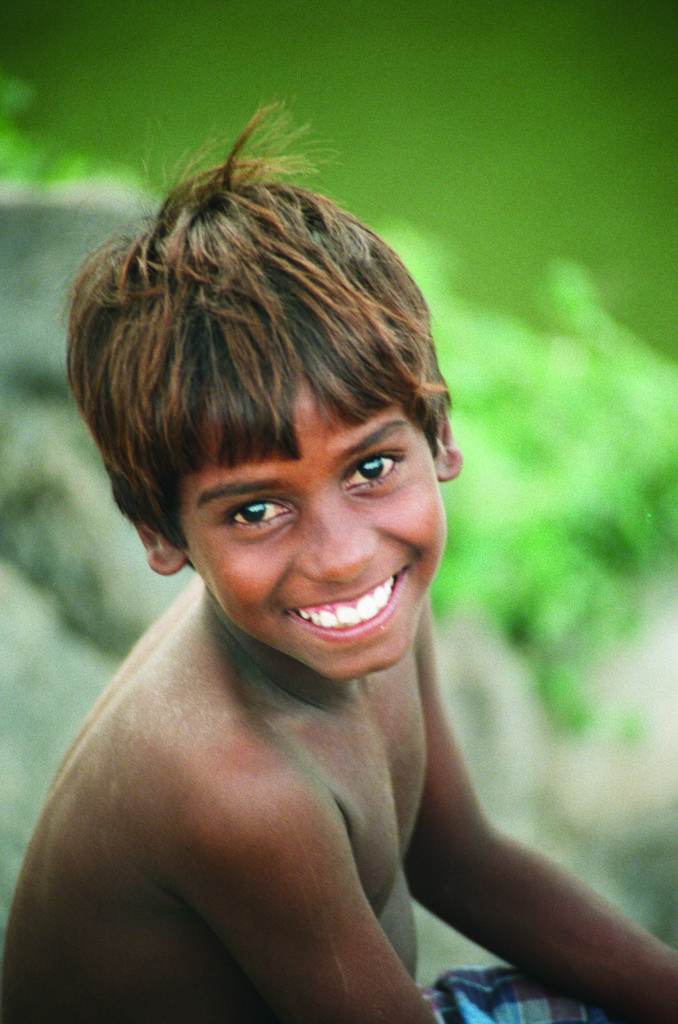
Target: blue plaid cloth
{"x": 500, "y": 995}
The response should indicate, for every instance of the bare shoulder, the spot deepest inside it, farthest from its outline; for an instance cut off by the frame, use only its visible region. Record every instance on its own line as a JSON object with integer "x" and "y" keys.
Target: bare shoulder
{"x": 151, "y": 660}
{"x": 244, "y": 801}
{"x": 128, "y": 762}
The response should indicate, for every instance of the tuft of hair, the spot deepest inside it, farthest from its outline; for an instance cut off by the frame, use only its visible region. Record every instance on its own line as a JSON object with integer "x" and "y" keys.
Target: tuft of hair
{"x": 189, "y": 340}
{"x": 262, "y": 152}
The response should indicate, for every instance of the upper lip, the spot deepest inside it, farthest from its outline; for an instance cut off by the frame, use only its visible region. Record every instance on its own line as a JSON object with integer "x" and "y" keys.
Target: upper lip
{"x": 353, "y": 599}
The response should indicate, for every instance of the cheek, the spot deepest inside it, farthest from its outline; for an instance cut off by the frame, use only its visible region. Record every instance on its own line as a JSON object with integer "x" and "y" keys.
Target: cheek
{"x": 244, "y": 581}
{"x": 419, "y": 521}
{"x": 437, "y": 532}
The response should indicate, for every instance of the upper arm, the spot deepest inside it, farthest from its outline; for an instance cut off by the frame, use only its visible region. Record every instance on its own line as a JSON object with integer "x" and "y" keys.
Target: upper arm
{"x": 450, "y": 825}
{"x": 271, "y": 870}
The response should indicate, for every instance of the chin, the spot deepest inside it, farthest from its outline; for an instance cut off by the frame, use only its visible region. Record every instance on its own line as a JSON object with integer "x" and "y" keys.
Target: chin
{"x": 355, "y": 665}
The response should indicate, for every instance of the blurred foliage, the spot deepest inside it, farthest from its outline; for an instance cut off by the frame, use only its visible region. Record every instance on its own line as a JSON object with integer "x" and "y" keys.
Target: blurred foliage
{"x": 31, "y": 161}
{"x": 569, "y": 499}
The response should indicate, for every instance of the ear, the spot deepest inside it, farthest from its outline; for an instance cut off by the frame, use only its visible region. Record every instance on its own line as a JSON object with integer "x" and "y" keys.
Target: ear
{"x": 448, "y": 459}
{"x": 163, "y": 557}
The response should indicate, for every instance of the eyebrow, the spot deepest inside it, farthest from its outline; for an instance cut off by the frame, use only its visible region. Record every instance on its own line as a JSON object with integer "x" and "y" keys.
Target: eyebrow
{"x": 238, "y": 488}
{"x": 378, "y": 435}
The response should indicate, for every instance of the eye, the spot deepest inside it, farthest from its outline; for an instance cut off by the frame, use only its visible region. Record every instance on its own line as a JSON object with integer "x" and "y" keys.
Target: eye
{"x": 373, "y": 469}
{"x": 256, "y": 512}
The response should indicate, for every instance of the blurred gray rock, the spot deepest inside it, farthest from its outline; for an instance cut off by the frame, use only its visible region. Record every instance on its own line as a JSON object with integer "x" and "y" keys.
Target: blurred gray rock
{"x": 59, "y": 525}
{"x": 44, "y": 235}
{"x": 643, "y": 861}
{"x": 604, "y": 781}
{"x": 500, "y": 727}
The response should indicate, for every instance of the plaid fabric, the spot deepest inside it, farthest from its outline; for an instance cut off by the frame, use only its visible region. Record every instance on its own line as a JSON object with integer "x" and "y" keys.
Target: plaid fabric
{"x": 500, "y": 995}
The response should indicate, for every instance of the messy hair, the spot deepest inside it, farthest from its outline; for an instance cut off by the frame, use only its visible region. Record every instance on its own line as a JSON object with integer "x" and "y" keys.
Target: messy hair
{"x": 189, "y": 341}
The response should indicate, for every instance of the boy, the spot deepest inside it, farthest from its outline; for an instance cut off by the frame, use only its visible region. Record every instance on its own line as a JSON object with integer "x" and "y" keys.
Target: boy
{"x": 236, "y": 832}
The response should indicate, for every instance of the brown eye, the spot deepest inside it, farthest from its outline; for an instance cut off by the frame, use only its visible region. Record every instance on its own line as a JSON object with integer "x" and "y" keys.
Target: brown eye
{"x": 256, "y": 512}
{"x": 374, "y": 468}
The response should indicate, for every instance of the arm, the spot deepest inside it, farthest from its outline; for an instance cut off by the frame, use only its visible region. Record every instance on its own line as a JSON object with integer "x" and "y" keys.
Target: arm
{"x": 267, "y": 863}
{"x": 514, "y": 902}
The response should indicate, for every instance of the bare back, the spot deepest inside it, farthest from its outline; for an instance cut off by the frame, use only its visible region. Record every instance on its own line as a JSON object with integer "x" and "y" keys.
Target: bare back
{"x": 104, "y": 914}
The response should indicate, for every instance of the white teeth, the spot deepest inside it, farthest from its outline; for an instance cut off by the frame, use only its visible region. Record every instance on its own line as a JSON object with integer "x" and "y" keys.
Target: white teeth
{"x": 367, "y": 607}
{"x": 350, "y": 614}
{"x": 347, "y": 616}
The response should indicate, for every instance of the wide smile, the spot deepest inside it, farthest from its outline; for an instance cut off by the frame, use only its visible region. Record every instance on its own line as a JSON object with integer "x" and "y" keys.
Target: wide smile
{"x": 350, "y": 618}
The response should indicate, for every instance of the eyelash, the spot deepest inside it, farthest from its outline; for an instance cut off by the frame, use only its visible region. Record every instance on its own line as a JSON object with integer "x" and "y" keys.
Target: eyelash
{"x": 365, "y": 483}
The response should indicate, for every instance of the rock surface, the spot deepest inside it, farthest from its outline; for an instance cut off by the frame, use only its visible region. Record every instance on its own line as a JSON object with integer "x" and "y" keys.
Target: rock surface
{"x": 43, "y": 237}
{"x": 60, "y": 526}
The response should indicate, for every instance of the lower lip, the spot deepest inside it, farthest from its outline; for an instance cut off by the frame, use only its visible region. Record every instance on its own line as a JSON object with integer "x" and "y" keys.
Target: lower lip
{"x": 349, "y": 633}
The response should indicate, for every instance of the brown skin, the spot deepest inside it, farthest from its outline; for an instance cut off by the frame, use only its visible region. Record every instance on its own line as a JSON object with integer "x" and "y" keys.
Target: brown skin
{"x": 233, "y": 834}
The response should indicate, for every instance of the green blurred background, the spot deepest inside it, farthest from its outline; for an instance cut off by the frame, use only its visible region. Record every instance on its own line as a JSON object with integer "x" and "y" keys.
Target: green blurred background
{"x": 523, "y": 158}
{"x": 517, "y": 131}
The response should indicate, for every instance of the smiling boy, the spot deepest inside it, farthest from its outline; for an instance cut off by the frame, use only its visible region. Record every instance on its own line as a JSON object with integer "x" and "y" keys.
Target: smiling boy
{"x": 238, "y": 831}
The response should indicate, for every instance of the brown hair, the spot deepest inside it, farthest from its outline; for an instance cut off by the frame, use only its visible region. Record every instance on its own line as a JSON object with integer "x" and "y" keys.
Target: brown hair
{"x": 206, "y": 322}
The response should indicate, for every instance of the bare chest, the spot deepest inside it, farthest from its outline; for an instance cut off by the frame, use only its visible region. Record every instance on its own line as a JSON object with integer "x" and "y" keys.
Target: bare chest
{"x": 370, "y": 756}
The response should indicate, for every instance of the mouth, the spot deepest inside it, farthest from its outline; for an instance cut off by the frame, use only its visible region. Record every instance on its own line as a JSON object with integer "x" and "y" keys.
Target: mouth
{"x": 346, "y": 617}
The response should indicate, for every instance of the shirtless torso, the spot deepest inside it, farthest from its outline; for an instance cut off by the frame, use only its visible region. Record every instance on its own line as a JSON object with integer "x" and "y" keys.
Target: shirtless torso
{"x": 109, "y": 905}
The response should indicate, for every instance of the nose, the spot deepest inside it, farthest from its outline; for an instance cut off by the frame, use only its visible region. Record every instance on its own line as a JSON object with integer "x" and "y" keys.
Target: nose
{"x": 337, "y": 544}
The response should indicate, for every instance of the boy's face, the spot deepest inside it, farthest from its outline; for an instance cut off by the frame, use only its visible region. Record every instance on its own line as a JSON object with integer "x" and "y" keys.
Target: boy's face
{"x": 327, "y": 558}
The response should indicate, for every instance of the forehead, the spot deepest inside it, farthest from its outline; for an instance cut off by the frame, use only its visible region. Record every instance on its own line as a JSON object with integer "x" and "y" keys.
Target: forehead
{"x": 316, "y": 426}
{"x": 310, "y": 415}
